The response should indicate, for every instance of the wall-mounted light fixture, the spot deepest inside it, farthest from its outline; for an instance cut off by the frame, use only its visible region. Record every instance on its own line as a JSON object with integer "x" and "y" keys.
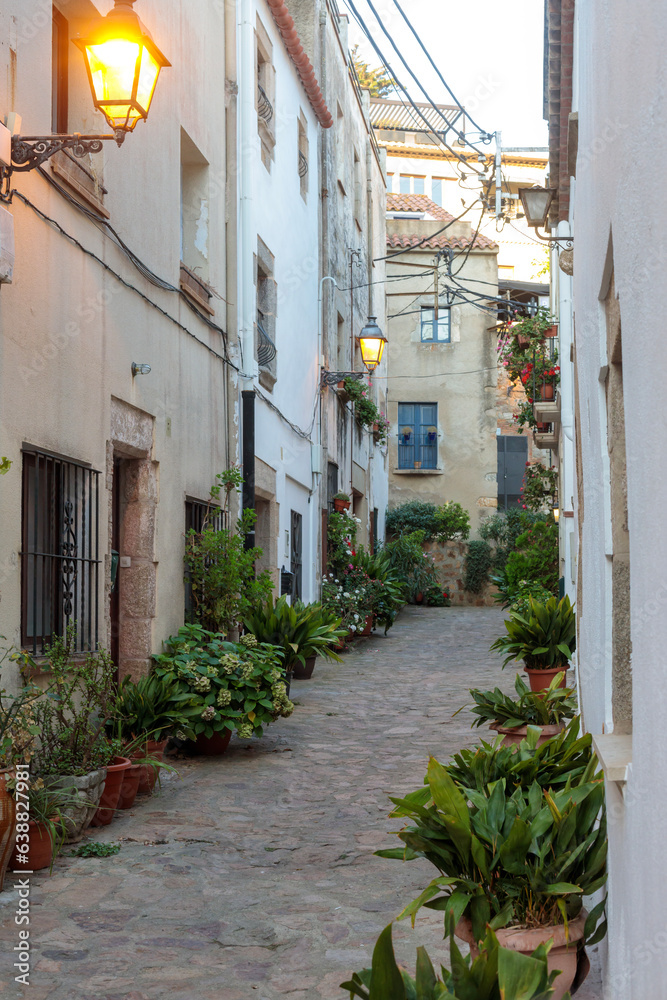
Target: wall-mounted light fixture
{"x": 123, "y": 64}
{"x": 371, "y": 342}
{"x": 556, "y": 514}
{"x": 140, "y": 369}
{"x": 536, "y": 203}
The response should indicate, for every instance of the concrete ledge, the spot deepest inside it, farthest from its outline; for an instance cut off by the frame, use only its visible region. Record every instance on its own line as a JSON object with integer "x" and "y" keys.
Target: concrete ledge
{"x": 417, "y": 472}
{"x": 615, "y": 755}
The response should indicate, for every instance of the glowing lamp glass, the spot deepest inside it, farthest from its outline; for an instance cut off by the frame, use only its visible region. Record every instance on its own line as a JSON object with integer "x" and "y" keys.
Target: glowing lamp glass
{"x": 371, "y": 343}
{"x": 123, "y": 65}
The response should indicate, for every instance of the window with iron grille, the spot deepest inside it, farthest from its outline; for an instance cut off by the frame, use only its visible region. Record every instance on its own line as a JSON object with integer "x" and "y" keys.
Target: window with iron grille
{"x": 417, "y": 435}
{"x": 199, "y": 514}
{"x": 60, "y": 557}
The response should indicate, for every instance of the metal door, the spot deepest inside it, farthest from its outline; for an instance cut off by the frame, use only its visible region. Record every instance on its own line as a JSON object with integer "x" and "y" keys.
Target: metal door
{"x": 512, "y": 454}
{"x": 296, "y": 555}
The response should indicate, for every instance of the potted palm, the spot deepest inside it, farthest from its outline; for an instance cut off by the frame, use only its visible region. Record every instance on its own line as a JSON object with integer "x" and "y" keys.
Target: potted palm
{"x": 494, "y": 973}
{"x": 519, "y": 859}
{"x": 145, "y": 713}
{"x": 544, "y": 637}
{"x": 301, "y": 631}
{"x": 47, "y": 828}
{"x": 546, "y": 710}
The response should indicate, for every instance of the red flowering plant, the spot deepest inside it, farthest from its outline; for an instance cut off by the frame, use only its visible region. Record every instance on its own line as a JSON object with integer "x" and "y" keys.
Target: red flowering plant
{"x": 540, "y": 488}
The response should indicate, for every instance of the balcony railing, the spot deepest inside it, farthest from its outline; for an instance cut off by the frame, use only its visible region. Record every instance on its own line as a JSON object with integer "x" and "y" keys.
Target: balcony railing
{"x": 264, "y": 106}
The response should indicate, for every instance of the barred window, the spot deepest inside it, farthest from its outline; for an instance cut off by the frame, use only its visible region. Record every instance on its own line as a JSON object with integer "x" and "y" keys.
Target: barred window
{"x": 60, "y": 557}
{"x": 198, "y": 515}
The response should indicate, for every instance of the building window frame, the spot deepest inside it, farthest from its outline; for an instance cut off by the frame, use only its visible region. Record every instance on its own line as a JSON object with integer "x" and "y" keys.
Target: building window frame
{"x": 417, "y": 436}
{"x": 60, "y": 551}
{"x": 431, "y": 332}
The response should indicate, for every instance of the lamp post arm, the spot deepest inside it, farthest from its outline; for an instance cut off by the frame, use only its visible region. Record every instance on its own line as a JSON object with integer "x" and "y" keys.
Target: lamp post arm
{"x": 562, "y": 242}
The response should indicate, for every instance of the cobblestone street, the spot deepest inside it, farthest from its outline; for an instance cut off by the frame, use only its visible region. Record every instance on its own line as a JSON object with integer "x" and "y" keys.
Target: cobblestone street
{"x": 253, "y": 875}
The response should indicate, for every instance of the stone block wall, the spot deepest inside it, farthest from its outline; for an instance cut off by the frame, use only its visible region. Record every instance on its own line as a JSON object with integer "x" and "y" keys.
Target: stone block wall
{"x": 449, "y": 560}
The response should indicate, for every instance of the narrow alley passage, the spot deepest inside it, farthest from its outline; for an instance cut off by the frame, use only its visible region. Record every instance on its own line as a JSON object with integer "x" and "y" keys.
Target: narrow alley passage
{"x": 253, "y": 875}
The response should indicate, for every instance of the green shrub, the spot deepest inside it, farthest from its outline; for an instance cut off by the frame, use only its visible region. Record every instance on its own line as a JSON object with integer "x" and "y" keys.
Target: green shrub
{"x": 413, "y": 567}
{"x": 478, "y": 562}
{"x": 504, "y": 530}
{"x": 535, "y": 559}
{"x": 446, "y": 522}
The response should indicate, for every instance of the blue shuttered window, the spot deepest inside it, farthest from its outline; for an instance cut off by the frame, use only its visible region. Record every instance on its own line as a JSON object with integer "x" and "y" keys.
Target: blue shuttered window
{"x": 417, "y": 435}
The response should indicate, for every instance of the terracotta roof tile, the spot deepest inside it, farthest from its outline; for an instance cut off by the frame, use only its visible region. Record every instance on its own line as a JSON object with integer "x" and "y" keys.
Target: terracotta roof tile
{"x": 441, "y": 242}
{"x": 416, "y": 203}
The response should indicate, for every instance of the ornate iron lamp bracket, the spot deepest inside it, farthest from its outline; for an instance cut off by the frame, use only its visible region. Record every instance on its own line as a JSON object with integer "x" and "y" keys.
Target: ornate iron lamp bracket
{"x": 562, "y": 242}
{"x": 31, "y": 151}
{"x": 332, "y": 378}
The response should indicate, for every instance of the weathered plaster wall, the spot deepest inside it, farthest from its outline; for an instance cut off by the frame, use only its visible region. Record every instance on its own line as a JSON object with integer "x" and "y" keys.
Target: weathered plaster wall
{"x": 461, "y": 377}
{"x": 621, "y": 230}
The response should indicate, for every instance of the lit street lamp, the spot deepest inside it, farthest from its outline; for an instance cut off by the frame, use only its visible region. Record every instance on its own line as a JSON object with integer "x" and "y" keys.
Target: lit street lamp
{"x": 123, "y": 65}
{"x": 371, "y": 342}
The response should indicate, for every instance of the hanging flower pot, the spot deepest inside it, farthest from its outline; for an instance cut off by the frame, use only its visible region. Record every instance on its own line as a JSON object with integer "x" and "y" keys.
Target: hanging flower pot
{"x": 341, "y": 505}
{"x": 551, "y": 331}
{"x": 546, "y": 391}
{"x": 523, "y": 341}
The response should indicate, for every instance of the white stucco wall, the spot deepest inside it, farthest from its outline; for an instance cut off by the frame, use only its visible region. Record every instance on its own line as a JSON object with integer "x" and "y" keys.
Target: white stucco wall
{"x": 620, "y": 219}
{"x": 69, "y": 331}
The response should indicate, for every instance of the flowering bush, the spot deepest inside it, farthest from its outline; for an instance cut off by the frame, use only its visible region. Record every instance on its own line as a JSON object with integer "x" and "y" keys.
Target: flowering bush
{"x": 341, "y": 540}
{"x": 524, "y": 354}
{"x": 540, "y": 487}
{"x": 232, "y": 686}
{"x": 348, "y": 602}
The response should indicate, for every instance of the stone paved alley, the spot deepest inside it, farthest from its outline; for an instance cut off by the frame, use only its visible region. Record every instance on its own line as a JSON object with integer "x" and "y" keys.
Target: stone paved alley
{"x": 253, "y": 875}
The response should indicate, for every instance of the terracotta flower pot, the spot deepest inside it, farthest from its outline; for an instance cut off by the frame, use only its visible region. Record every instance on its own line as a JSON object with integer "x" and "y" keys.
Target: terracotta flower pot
{"x": 213, "y": 746}
{"x": 148, "y": 773}
{"x": 564, "y": 955}
{"x": 514, "y": 734}
{"x": 111, "y": 793}
{"x": 541, "y": 679}
{"x": 87, "y": 788}
{"x": 130, "y": 786}
{"x": 341, "y": 505}
{"x": 368, "y": 626}
{"x": 546, "y": 392}
{"x": 523, "y": 341}
{"x": 40, "y": 848}
{"x": 7, "y": 823}
{"x": 419, "y": 598}
{"x": 551, "y": 331}
{"x": 303, "y": 672}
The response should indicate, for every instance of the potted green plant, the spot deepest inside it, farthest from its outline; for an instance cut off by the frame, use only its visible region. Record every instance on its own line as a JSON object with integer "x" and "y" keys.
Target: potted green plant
{"x": 47, "y": 828}
{"x": 545, "y": 710}
{"x": 17, "y": 736}
{"x": 145, "y": 713}
{"x": 494, "y": 974}
{"x": 341, "y": 501}
{"x": 518, "y": 859}
{"x": 231, "y": 687}
{"x": 73, "y": 750}
{"x": 301, "y": 631}
{"x": 544, "y": 638}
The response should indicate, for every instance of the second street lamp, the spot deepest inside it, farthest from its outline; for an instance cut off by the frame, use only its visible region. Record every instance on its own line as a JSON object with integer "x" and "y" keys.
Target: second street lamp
{"x": 371, "y": 342}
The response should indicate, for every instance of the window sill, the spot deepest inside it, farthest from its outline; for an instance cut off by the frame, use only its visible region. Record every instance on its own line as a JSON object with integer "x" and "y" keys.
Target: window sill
{"x": 195, "y": 289}
{"x": 65, "y": 173}
{"x": 615, "y": 754}
{"x": 418, "y": 472}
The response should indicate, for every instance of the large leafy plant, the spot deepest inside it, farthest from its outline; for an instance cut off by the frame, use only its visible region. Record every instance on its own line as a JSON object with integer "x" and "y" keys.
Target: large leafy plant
{"x": 535, "y": 558}
{"x": 496, "y": 974}
{"x": 229, "y": 686}
{"x": 220, "y": 571}
{"x": 300, "y": 631}
{"x": 544, "y": 637}
{"x": 566, "y": 758}
{"x": 150, "y": 708}
{"x": 525, "y": 857}
{"x": 529, "y": 708}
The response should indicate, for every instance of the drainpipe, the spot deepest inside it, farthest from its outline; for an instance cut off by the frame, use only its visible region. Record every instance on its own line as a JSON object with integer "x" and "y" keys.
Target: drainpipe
{"x": 247, "y": 140}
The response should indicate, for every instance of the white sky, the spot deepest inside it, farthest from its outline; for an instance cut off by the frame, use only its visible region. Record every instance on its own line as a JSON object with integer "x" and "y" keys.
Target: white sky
{"x": 489, "y": 52}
